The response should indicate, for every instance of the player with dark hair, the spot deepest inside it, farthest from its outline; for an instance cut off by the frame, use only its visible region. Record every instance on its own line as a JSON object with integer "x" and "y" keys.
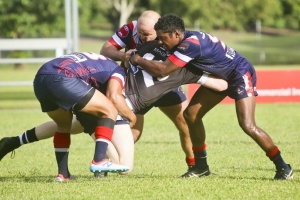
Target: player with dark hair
{"x": 129, "y": 37}
{"x": 204, "y": 52}
{"x": 73, "y": 82}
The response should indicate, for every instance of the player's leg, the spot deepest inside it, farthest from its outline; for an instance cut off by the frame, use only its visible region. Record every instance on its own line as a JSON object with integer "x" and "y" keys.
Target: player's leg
{"x": 203, "y": 100}
{"x": 98, "y": 105}
{"x": 172, "y": 105}
{"x": 137, "y": 129}
{"x": 62, "y": 141}
{"x": 245, "y": 109}
{"x": 122, "y": 140}
{"x": 175, "y": 114}
{"x": 41, "y": 132}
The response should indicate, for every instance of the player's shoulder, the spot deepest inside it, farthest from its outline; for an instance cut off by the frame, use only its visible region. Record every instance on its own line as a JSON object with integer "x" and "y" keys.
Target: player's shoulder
{"x": 154, "y": 48}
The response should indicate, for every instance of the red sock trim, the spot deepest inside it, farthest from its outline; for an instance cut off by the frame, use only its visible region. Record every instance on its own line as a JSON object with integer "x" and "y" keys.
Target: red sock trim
{"x": 273, "y": 152}
{"x": 199, "y": 149}
{"x": 103, "y": 132}
{"x": 62, "y": 140}
{"x": 190, "y": 161}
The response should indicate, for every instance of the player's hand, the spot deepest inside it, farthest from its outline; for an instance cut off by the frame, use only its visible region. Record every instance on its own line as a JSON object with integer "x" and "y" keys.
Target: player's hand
{"x": 133, "y": 58}
{"x": 128, "y": 54}
{"x": 132, "y": 120}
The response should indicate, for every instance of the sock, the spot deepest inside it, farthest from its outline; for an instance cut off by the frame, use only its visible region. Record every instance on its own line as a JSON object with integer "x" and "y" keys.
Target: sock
{"x": 62, "y": 143}
{"x": 103, "y": 135}
{"x": 190, "y": 161}
{"x": 275, "y": 156}
{"x": 28, "y": 137}
{"x": 200, "y": 156}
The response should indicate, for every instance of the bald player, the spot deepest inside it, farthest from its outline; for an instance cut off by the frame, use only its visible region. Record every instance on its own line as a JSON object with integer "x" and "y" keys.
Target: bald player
{"x": 129, "y": 37}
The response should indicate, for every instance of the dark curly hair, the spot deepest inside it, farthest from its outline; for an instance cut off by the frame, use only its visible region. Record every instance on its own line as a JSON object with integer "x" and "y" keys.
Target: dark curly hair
{"x": 169, "y": 23}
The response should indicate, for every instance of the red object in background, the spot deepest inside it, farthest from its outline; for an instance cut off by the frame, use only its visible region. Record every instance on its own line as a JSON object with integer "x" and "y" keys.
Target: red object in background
{"x": 273, "y": 86}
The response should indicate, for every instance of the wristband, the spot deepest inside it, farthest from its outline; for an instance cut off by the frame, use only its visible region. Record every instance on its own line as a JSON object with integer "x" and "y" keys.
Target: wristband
{"x": 203, "y": 78}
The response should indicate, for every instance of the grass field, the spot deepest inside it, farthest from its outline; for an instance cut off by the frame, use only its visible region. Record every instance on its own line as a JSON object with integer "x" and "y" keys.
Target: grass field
{"x": 244, "y": 172}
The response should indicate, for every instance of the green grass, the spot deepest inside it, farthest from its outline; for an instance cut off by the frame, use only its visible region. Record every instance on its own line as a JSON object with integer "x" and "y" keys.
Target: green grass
{"x": 244, "y": 172}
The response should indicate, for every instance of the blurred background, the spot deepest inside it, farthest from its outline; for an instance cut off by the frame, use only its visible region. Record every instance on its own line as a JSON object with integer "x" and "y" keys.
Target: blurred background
{"x": 264, "y": 31}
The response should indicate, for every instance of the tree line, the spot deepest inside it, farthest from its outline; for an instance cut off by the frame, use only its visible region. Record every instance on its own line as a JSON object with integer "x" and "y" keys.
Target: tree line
{"x": 36, "y": 18}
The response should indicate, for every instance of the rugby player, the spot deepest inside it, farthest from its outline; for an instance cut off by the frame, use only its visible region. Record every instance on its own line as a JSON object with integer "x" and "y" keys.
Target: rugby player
{"x": 204, "y": 52}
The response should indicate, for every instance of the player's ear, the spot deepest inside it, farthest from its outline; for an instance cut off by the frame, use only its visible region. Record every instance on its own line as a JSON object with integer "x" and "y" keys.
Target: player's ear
{"x": 177, "y": 33}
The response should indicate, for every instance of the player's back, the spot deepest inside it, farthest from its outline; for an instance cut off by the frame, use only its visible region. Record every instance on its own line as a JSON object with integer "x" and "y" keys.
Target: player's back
{"x": 93, "y": 68}
{"x": 143, "y": 89}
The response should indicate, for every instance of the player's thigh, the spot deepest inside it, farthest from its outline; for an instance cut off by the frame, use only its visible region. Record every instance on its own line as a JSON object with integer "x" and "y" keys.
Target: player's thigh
{"x": 123, "y": 141}
{"x": 175, "y": 112}
{"x": 63, "y": 119}
{"x": 76, "y": 126}
{"x": 202, "y": 101}
{"x": 100, "y": 106}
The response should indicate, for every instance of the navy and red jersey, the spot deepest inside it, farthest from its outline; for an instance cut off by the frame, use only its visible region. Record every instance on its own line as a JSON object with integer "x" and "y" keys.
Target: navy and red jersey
{"x": 143, "y": 90}
{"x": 207, "y": 53}
{"x": 126, "y": 37}
{"x": 92, "y": 68}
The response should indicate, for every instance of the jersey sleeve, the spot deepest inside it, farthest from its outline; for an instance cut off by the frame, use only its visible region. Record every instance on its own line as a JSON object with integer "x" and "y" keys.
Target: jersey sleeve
{"x": 122, "y": 37}
{"x": 119, "y": 75}
{"x": 186, "y": 51}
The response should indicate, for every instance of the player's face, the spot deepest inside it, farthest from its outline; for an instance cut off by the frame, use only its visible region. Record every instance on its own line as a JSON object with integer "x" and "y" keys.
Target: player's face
{"x": 167, "y": 40}
{"x": 146, "y": 34}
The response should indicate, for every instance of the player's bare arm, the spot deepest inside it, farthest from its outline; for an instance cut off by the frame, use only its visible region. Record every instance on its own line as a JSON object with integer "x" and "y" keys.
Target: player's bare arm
{"x": 162, "y": 69}
{"x": 114, "y": 94}
{"x": 154, "y": 68}
{"x": 112, "y": 52}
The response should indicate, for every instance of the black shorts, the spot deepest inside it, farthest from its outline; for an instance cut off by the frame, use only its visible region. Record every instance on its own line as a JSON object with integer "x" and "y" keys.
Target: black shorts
{"x": 174, "y": 97}
{"x": 55, "y": 91}
{"x": 89, "y": 122}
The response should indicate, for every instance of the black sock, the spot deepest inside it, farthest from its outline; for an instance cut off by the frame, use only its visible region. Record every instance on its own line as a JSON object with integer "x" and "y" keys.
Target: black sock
{"x": 275, "y": 156}
{"x": 100, "y": 150}
{"x": 201, "y": 159}
{"x": 62, "y": 162}
{"x": 28, "y": 136}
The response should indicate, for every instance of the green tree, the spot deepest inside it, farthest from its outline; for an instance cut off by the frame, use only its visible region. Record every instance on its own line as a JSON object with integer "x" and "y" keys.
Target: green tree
{"x": 31, "y": 18}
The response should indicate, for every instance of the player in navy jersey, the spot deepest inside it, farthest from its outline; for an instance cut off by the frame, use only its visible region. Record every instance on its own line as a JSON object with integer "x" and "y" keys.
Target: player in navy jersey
{"x": 73, "y": 83}
{"x": 129, "y": 37}
{"x": 142, "y": 90}
{"x": 204, "y": 52}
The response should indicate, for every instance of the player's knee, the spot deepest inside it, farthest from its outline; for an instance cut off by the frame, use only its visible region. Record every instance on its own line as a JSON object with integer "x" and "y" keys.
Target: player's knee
{"x": 249, "y": 128}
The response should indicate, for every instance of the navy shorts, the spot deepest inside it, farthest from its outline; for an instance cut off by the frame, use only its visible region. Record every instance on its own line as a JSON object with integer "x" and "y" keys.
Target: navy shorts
{"x": 55, "y": 91}
{"x": 243, "y": 83}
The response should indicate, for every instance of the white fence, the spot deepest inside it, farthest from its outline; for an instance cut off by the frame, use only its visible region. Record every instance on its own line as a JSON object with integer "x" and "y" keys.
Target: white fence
{"x": 59, "y": 45}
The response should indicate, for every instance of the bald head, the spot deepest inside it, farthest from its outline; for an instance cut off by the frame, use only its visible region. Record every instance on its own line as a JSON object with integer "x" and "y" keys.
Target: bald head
{"x": 145, "y": 25}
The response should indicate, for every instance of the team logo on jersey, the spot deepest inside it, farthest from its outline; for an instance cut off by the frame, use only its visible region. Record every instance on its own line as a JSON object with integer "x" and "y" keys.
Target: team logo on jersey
{"x": 183, "y": 46}
{"x": 240, "y": 90}
{"x": 123, "y": 31}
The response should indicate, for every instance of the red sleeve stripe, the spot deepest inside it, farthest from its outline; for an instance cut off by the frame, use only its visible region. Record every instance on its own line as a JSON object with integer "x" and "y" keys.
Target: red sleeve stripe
{"x": 114, "y": 43}
{"x": 177, "y": 61}
{"x": 193, "y": 39}
{"x": 119, "y": 80}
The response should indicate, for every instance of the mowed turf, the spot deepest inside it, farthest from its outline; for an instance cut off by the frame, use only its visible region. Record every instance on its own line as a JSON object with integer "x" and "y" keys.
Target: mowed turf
{"x": 244, "y": 172}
